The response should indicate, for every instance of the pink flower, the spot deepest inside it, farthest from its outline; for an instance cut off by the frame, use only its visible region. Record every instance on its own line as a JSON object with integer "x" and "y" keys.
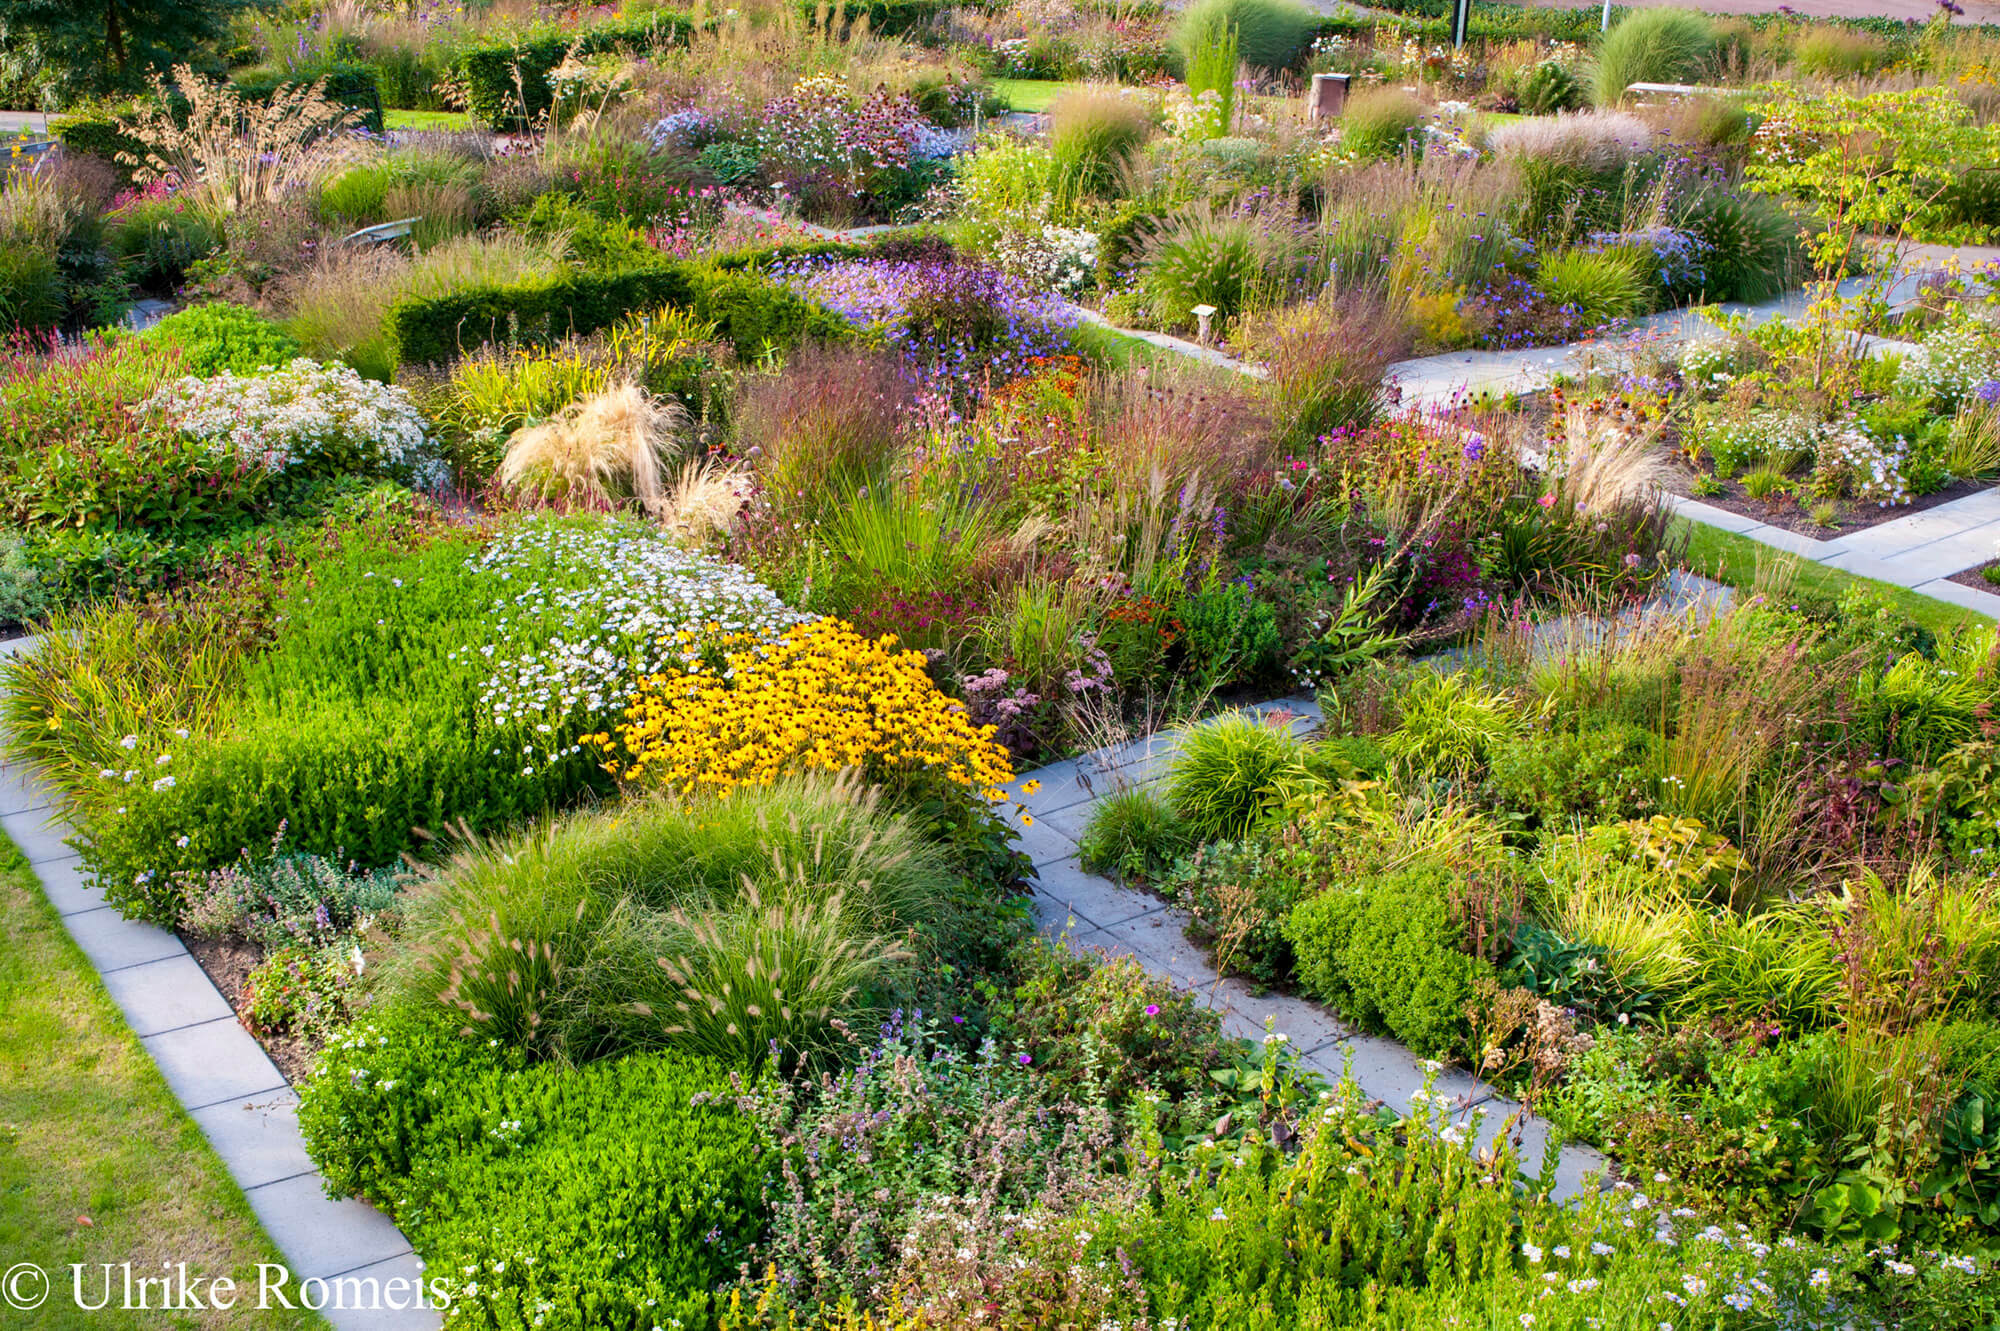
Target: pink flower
{"x": 1152, "y": 1009}
{"x": 1547, "y": 501}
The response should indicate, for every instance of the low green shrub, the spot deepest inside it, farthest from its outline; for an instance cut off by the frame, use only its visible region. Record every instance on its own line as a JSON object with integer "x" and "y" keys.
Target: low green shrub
{"x": 1386, "y": 952}
{"x": 1602, "y": 775}
{"x": 396, "y": 700}
{"x": 221, "y": 338}
{"x": 1228, "y": 634}
{"x": 622, "y": 1193}
{"x": 1105, "y": 1030}
{"x": 506, "y": 84}
{"x": 753, "y": 315}
{"x": 1548, "y": 88}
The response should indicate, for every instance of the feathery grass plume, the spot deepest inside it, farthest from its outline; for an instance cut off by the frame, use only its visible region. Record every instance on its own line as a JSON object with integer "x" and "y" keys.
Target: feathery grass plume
{"x": 602, "y": 452}
{"x": 1601, "y": 461}
{"x": 770, "y": 977}
{"x": 229, "y": 154}
{"x": 1326, "y": 359}
{"x": 550, "y": 937}
{"x": 1269, "y": 33}
{"x": 701, "y": 502}
{"x": 1382, "y": 123}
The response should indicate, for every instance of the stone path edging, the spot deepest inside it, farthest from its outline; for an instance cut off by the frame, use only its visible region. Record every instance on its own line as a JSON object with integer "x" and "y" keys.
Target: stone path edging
{"x": 216, "y": 1069}
{"x": 1087, "y": 910}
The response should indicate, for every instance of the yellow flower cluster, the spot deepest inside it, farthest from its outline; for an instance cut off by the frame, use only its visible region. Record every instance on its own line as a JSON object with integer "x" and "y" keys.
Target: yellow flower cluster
{"x": 821, "y": 698}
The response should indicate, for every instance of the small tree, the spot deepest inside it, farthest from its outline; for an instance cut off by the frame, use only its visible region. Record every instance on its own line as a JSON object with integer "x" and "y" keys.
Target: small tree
{"x": 77, "y": 48}
{"x": 1871, "y": 167}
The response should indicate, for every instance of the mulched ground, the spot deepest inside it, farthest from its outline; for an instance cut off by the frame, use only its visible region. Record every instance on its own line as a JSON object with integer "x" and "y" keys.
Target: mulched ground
{"x": 1976, "y": 577}
{"x": 1784, "y": 510}
{"x": 228, "y": 963}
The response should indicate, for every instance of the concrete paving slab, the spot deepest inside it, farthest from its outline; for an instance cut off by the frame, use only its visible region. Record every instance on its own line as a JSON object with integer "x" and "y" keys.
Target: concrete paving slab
{"x": 215, "y": 1062}
{"x": 258, "y": 1138}
{"x": 39, "y": 833}
{"x": 380, "y": 1298}
{"x": 322, "y": 1237}
{"x": 166, "y": 995}
{"x": 112, "y": 942}
{"x": 66, "y": 886}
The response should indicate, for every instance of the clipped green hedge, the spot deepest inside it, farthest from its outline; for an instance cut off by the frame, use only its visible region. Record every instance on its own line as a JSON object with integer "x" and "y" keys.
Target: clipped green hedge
{"x": 1386, "y": 952}
{"x": 750, "y": 312}
{"x": 507, "y": 83}
{"x": 348, "y": 84}
{"x": 619, "y": 1192}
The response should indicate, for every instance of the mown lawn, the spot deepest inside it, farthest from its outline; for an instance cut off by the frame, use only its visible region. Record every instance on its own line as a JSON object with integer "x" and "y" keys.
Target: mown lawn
{"x": 1031, "y": 94}
{"x": 449, "y": 120}
{"x": 1745, "y": 564}
{"x": 98, "y": 1163}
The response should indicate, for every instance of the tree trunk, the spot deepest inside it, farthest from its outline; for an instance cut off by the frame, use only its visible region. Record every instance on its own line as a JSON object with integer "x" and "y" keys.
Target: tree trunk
{"x": 114, "y": 37}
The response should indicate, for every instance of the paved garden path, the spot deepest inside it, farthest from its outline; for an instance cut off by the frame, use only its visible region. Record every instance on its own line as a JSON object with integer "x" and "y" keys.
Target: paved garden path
{"x": 221, "y": 1075}
{"x": 1091, "y": 911}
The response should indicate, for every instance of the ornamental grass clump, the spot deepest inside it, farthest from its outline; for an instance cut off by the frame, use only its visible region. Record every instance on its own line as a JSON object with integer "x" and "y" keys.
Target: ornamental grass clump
{"x": 720, "y": 925}
{"x": 823, "y": 698}
{"x": 231, "y": 155}
{"x": 598, "y": 453}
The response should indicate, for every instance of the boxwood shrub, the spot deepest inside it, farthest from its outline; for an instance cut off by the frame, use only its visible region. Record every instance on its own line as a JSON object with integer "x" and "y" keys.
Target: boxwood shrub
{"x": 751, "y": 313}
{"x": 618, "y": 1193}
{"x": 507, "y": 83}
{"x": 1386, "y": 952}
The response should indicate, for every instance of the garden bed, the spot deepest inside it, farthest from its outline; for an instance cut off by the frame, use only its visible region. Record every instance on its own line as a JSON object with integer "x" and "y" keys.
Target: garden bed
{"x": 1985, "y": 578}
{"x": 1786, "y": 513}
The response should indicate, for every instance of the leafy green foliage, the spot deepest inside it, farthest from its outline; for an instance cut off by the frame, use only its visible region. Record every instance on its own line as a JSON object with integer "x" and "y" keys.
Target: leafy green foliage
{"x": 222, "y": 338}
{"x": 622, "y": 1191}
{"x": 1228, "y": 633}
{"x": 1598, "y": 775}
{"x": 1386, "y": 952}
{"x": 1107, "y": 1030}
